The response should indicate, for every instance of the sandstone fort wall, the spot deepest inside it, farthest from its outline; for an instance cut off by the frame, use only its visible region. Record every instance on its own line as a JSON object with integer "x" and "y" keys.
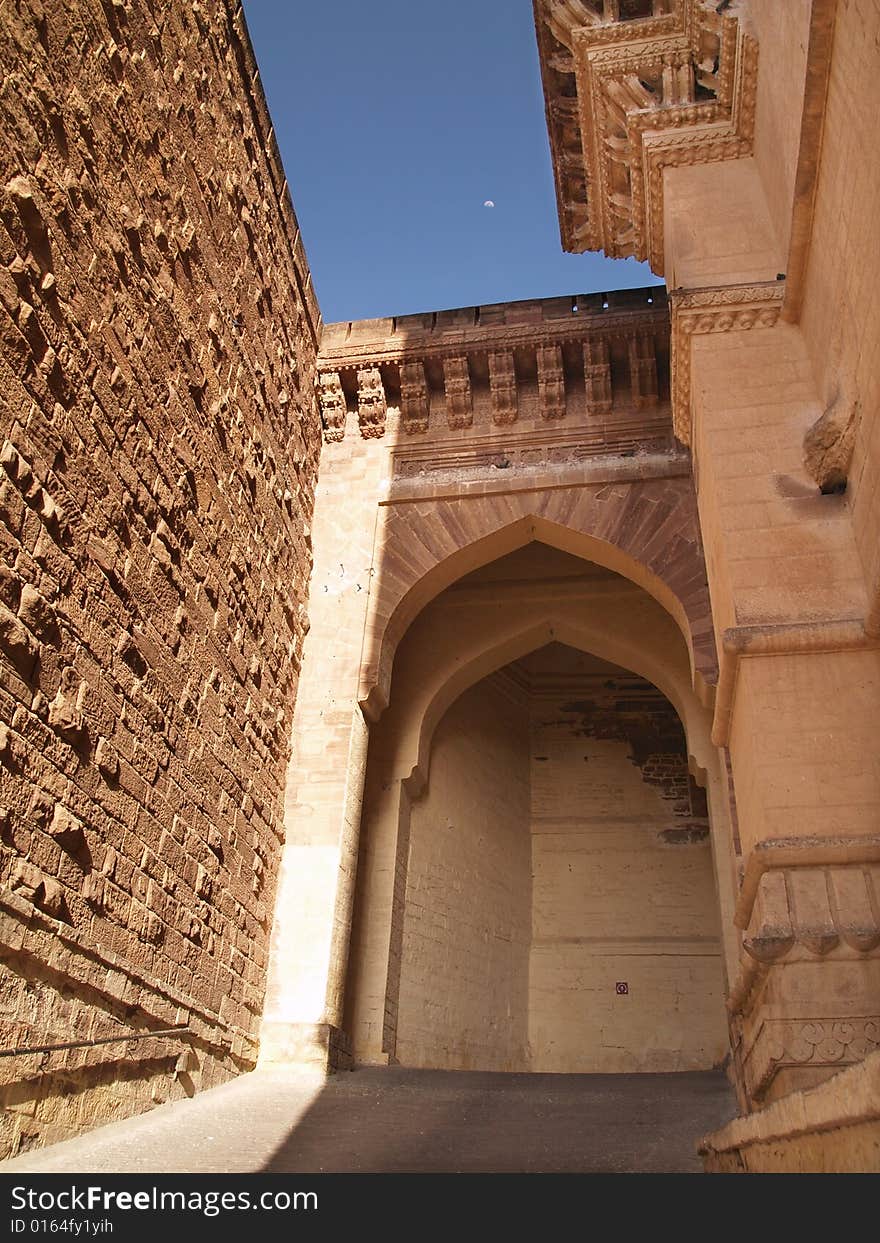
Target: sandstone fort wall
{"x": 159, "y": 453}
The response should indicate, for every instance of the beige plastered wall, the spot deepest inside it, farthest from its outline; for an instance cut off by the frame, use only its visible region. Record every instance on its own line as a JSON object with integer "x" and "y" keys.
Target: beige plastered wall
{"x": 469, "y": 631}
{"x": 615, "y": 903}
{"x": 464, "y": 989}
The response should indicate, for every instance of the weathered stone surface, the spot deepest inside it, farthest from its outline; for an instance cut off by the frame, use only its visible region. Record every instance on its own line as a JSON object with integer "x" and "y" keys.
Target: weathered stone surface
{"x": 828, "y": 446}
{"x": 159, "y": 442}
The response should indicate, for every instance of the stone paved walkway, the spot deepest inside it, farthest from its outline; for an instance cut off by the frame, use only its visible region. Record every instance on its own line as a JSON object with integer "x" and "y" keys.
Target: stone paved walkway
{"x": 396, "y": 1120}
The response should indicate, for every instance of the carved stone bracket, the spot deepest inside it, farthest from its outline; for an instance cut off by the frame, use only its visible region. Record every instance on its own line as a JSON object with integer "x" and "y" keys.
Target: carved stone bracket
{"x": 734, "y": 308}
{"x": 413, "y": 397}
{"x": 551, "y": 382}
{"x": 332, "y": 400}
{"x": 459, "y": 411}
{"x": 597, "y": 376}
{"x": 643, "y": 371}
{"x": 502, "y": 388}
{"x": 372, "y": 406}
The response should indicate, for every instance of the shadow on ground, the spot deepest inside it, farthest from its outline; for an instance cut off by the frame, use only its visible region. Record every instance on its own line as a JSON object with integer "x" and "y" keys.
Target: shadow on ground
{"x": 392, "y": 1120}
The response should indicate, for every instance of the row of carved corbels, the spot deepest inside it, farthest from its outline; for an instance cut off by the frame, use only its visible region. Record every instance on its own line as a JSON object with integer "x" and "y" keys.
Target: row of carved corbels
{"x": 372, "y": 404}
{"x": 814, "y": 911}
{"x": 734, "y": 308}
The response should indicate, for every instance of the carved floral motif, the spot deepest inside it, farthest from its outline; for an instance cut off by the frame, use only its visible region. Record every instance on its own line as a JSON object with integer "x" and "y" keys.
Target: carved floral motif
{"x": 814, "y": 1043}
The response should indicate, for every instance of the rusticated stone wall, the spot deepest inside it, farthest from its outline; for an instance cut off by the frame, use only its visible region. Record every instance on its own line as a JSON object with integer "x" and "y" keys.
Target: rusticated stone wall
{"x": 158, "y": 453}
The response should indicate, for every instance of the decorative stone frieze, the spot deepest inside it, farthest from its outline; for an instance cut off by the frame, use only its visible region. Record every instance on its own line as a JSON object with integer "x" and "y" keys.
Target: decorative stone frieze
{"x": 826, "y": 1044}
{"x": 512, "y": 363}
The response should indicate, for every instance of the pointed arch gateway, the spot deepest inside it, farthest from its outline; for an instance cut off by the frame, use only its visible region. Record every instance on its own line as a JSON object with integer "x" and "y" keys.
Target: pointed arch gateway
{"x": 474, "y": 627}
{"x": 634, "y": 522}
{"x": 646, "y": 530}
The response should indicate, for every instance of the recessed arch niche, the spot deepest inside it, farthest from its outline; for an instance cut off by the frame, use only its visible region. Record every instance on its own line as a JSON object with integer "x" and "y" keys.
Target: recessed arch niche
{"x": 533, "y": 836}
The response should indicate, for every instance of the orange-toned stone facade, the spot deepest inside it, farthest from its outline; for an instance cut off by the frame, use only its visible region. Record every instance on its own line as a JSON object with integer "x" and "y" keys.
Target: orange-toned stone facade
{"x": 159, "y": 451}
{"x": 583, "y": 771}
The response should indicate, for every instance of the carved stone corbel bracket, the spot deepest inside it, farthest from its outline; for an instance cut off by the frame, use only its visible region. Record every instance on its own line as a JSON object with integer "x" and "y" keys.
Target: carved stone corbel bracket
{"x": 551, "y": 382}
{"x": 332, "y": 401}
{"x": 502, "y": 388}
{"x": 372, "y": 405}
{"x": 459, "y": 411}
{"x": 814, "y": 909}
{"x": 807, "y": 999}
{"x": 413, "y": 397}
{"x": 653, "y": 86}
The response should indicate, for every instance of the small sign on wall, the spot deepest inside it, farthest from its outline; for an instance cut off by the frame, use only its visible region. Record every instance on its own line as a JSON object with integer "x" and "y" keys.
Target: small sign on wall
{"x": 621, "y": 988}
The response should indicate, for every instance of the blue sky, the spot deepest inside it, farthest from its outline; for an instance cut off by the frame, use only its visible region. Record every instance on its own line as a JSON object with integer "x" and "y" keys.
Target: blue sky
{"x": 397, "y": 120}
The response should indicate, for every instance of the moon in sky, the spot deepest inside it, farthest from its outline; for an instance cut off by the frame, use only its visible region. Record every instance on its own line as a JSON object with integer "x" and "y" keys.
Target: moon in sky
{"x": 488, "y": 203}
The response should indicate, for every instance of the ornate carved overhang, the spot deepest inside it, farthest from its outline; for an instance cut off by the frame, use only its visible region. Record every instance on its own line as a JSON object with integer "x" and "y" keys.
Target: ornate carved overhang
{"x": 604, "y": 354}
{"x": 632, "y": 88}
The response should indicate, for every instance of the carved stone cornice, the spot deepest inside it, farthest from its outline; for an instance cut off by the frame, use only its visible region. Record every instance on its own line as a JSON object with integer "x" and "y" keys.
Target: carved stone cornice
{"x": 446, "y": 361}
{"x": 675, "y": 87}
{"x": 399, "y": 347}
{"x": 728, "y": 308}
